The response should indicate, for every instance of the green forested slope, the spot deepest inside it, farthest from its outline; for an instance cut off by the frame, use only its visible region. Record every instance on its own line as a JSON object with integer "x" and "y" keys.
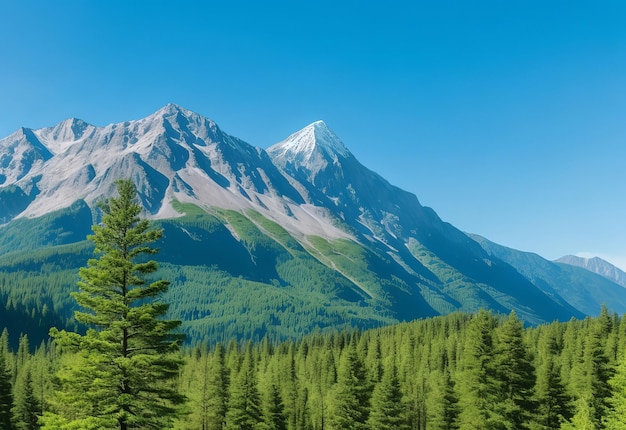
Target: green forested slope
{"x": 35, "y": 288}
{"x": 265, "y": 283}
{"x": 258, "y": 281}
{"x": 238, "y": 274}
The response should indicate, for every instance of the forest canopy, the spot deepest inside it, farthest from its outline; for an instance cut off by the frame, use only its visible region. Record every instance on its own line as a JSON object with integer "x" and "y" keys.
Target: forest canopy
{"x": 456, "y": 371}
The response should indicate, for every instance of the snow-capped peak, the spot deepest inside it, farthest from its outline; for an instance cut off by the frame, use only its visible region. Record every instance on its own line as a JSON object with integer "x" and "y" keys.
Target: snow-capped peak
{"x": 304, "y": 144}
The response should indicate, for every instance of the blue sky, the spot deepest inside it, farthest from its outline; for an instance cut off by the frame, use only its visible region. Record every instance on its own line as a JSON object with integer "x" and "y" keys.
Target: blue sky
{"x": 508, "y": 118}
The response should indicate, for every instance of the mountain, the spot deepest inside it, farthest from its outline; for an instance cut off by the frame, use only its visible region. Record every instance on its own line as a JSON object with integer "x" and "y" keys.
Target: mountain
{"x": 596, "y": 265}
{"x": 583, "y": 289}
{"x": 279, "y": 242}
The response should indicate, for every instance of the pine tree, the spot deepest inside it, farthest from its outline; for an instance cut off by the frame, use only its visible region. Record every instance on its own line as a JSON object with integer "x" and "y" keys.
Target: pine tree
{"x": 553, "y": 403}
{"x": 584, "y": 418}
{"x": 4, "y": 347}
{"x": 387, "y": 410}
{"x": 374, "y": 359}
{"x": 608, "y": 330}
{"x": 290, "y": 387}
{"x": 442, "y": 402}
{"x": 23, "y": 352}
{"x": 615, "y": 418}
{"x": 244, "y": 405}
{"x": 26, "y": 407}
{"x": 123, "y": 371}
{"x": 42, "y": 365}
{"x": 6, "y": 396}
{"x": 303, "y": 416}
{"x": 275, "y": 416}
{"x": 195, "y": 384}
{"x": 324, "y": 375}
{"x": 591, "y": 374}
{"x": 350, "y": 403}
{"x": 204, "y": 382}
{"x": 515, "y": 374}
{"x": 4, "y": 341}
{"x": 217, "y": 391}
{"x": 477, "y": 387}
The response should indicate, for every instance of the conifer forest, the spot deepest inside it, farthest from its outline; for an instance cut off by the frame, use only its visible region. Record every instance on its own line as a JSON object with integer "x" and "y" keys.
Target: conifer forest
{"x": 129, "y": 368}
{"x": 454, "y": 372}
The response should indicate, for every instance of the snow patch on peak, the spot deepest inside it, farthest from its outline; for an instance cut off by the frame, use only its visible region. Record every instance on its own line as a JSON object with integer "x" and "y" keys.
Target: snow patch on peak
{"x": 315, "y": 143}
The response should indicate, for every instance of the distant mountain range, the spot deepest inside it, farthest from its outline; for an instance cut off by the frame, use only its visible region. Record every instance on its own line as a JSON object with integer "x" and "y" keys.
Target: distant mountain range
{"x": 278, "y": 242}
{"x": 585, "y": 290}
{"x": 597, "y": 265}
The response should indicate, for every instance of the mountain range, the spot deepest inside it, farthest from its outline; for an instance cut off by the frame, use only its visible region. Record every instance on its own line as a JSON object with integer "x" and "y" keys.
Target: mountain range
{"x": 596, "y": 265}
{"x": 279, "y": 242}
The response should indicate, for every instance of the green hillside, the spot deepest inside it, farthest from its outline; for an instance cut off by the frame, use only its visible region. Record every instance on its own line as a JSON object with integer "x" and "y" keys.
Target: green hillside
{"x": 241, "y": 275}
{"x": 262, "y": 283}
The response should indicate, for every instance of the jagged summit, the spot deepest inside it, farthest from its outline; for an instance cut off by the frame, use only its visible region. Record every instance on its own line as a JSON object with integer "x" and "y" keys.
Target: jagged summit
{"x": 21, "y": 152}
{"x": 310, "y": 151}
{"x": 304, "y": 144}
{"x": 184, "y": 125}
{"x": 323, "y": 137}
{"x": 171, "y": 155}
{"x": 172, "y": 110}
{"x": 58, "y": 138}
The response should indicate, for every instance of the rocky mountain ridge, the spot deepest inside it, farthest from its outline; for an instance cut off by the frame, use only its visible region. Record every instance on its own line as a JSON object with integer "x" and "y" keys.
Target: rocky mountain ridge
{"x": 357, "y": 240}
{"x": 596, "y": 265}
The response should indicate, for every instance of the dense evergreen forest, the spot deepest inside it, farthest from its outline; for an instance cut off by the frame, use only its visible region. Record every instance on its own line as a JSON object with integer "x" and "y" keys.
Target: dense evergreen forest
{"x": 459, "y": 371}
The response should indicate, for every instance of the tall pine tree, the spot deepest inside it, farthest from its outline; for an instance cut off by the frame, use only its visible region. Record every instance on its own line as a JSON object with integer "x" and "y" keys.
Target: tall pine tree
{"x": 244, "y": 405}
{"x": 476, "y": 380}
{"x": 124, "y": 369}
{"x": 216, "y": 392}
{"x": 388, "y": 410}
{"x": 6, "y": 395}
{"x": 350, "y": 403}
{"x": 553, "y": 402}
{"x": 515, "y": 374}
{"x": 442, "y": 402}
{"x": 591, "y": 374}
{"x": 615, "y": 418}
{"x": 26, "y": 406}
{"x": 274, "y": 415}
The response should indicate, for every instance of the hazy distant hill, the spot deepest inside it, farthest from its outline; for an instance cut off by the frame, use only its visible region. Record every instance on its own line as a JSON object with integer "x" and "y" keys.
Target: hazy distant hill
{"x": 597, "y": 265}
{"x": 584, "y": 290}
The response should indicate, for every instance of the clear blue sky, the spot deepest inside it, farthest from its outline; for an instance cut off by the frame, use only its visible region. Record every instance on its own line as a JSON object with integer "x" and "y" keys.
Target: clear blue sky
{"x": 507, "y": 117}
